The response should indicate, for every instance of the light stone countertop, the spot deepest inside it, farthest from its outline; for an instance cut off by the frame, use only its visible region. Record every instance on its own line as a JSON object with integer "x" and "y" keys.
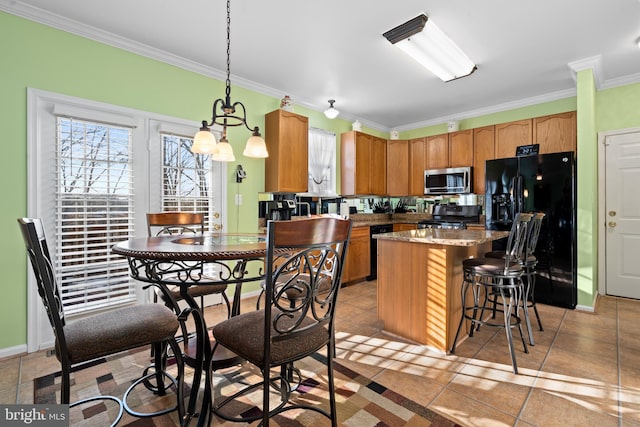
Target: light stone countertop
{"x": 439, "y": 236}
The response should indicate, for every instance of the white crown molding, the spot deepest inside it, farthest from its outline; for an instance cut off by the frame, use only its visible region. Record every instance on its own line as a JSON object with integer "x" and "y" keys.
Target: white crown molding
{"x": 492, "y": 109}
{"x": 621, "y": 81}
{"x": 593, "y": 63}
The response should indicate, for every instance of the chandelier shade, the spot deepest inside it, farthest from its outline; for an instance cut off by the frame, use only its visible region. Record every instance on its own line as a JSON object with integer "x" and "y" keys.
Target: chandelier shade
{"x": 226, "y": 113}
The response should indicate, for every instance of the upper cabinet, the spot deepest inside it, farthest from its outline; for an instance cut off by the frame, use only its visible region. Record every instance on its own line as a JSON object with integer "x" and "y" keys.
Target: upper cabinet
{"x": 397, "y": 170}
{"x": 363, "y": 164}
{"x": 483, "y": 150}
{"x": 437, "y": 151}
{"x": 417, "y": 165}
{"x": 555, "y": 133}
{"x": 461, "y": 148}
{"x": 287, "y": 138}
{"x": 511, "y": 135}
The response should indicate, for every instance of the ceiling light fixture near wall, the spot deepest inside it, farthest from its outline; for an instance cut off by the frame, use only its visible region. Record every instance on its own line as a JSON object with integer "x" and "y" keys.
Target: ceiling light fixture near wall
{"x": 422, "y": 40}
{"x": 331, "y": 112}
{"x": 227, "y": 114}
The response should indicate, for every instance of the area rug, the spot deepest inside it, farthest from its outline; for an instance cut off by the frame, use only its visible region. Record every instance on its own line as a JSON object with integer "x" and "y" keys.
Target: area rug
{"x": 360, "y": 401}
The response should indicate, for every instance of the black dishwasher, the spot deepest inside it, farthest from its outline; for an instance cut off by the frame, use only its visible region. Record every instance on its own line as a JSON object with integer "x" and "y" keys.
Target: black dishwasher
{"x": 373, "y": 246}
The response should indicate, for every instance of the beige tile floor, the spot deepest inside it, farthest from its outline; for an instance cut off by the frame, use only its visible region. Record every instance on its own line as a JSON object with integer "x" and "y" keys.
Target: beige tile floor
{"x": 583, "y": 371}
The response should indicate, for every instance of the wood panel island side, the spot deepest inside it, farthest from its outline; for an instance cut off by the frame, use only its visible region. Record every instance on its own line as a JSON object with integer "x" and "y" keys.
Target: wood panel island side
{"x": 419, "y": 281}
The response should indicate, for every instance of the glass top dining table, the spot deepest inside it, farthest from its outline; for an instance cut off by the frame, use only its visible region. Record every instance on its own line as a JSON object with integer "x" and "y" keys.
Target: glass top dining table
{"x": 187, "y": 260}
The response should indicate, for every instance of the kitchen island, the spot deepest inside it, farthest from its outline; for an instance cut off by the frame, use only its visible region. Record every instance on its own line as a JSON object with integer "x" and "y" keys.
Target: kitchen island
{"x": 419, "y": 281}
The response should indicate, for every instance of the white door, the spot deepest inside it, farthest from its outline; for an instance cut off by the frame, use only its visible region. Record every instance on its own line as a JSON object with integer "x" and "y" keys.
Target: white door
{"x": 622, "y": 214}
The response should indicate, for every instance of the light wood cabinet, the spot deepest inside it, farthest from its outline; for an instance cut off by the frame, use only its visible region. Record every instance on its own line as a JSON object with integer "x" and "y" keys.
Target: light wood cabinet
{"x": 555, "y": 133}
{"x": 404, "y": 226}
{"x": 483, "y": 150}
{"x": 378, "y": 171}
{"x": 287, "y": 138}
{"x": 358, "y": 263}
{"x": 437, "y": 151}
{"x": 417, "y": 165}
{"x": 461, "y": 148}
{"x": 512, "y": 134}
{"x": 398, "y": 167}
{"x": 363, "y": 164}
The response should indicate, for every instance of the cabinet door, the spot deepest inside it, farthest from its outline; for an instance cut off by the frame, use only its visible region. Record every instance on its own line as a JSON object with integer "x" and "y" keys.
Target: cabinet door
{"x": 358, "y": 264}
{"x": 404, "y": 226}
{"x": 438, "y": 151}
{"x": 363, "y": 163}
{"x": 398, "y": 167}
{"x": 555, "y": 133}
{"x": 287, "y": 138}
{"x": 512, "y": 134}
{"x": 483, "y": 150}
{"x": 417, "y": 165}
{"x": 461, "y": 148}
{"x": 378, "y": 171}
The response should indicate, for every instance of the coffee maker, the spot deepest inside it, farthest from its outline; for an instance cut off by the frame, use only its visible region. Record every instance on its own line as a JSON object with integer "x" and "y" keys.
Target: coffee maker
{"x": 280, "y": 209}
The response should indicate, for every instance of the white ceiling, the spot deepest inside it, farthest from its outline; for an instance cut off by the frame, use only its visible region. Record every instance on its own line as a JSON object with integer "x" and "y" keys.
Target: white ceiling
{"x": 317, "y": 50}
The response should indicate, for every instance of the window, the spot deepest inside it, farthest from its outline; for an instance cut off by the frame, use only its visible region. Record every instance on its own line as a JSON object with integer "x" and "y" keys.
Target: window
{"x": 186, "y": 177}
{"x": 93, "y": 211}
{"x": 94, "y": 171}
{"x": 322, "y": 163}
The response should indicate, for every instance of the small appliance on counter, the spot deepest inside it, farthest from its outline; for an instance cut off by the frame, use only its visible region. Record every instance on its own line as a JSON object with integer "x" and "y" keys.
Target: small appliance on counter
{"x": 280, "y": 209}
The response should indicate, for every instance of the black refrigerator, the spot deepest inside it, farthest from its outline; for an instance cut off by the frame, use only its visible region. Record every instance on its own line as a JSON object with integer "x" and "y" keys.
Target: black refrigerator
{"x": 539, "y": 183}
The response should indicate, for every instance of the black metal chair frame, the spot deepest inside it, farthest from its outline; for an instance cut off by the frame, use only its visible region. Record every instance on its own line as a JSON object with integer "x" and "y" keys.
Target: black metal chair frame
{"x": 40, "y": 258}
{"x": 489, "y": 278}
{"x": 290, "y": 328}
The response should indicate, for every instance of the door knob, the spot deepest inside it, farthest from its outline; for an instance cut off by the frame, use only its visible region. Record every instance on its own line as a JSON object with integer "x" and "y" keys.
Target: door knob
{"x": 612, "y": 224}
{"x": 217, "y": 227}
{"x": 612, "y": 213}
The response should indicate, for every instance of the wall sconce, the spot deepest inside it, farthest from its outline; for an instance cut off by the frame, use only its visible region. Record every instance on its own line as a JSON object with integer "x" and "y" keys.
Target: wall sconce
{"x": 240, "y": 174}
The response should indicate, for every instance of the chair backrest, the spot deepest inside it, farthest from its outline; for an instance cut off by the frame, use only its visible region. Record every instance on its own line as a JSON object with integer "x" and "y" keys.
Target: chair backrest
{"x": 38, "y": 251}
{"x": 517, "y": 240}
{"x": 175, "y": 223}
{"x": 534, "y": 232}
{"x": 312, "y": 267}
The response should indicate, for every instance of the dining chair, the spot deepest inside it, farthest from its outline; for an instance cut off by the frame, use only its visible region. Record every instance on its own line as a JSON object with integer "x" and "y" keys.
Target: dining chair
{"x": 487, "y": 279}
{"x": 174, "y": 223}
{"x": 290, "y": 329}
{"x": 80, "y": 342}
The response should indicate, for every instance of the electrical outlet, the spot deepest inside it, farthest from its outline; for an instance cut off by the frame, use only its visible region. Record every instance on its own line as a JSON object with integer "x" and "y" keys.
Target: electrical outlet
{"x": 238, "y": 199}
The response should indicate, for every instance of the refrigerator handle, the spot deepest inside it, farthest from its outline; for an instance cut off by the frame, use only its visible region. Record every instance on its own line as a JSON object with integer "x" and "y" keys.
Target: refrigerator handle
{"x": 519, "y": 194}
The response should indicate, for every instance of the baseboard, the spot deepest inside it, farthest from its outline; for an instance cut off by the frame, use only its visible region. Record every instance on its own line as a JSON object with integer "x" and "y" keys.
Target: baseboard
{"x": 13, "y": 351}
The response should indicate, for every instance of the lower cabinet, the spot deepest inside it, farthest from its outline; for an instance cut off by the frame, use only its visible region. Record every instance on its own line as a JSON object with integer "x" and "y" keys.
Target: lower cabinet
{"x": 358, "y": 264}
{"x": 404, "y": 226}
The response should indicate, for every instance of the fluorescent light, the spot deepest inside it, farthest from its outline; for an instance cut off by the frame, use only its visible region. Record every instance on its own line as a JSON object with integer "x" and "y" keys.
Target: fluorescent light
{"x": 422, "y": 40}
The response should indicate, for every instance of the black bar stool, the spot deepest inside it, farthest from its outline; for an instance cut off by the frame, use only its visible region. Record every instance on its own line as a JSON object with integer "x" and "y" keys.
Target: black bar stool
{"x": 489, "y": 278}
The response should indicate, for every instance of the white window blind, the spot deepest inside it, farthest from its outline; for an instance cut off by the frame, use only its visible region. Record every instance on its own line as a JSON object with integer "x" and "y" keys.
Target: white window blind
{"x": 94, "y": 210}
{"x": 186, "y": 177}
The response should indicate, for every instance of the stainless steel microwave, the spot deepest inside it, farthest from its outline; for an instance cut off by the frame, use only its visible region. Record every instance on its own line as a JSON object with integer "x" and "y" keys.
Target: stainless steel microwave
{"x": 447, "y": 181}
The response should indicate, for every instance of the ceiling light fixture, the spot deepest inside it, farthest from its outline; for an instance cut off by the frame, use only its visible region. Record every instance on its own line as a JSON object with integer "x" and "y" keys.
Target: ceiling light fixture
{"x": 422, "y": 40}
{"x": 224, "y": 114}
{"x": 331, "y": 112}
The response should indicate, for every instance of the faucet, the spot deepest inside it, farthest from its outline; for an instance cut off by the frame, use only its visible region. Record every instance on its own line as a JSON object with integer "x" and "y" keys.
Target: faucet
{"x": 308, "y": 207}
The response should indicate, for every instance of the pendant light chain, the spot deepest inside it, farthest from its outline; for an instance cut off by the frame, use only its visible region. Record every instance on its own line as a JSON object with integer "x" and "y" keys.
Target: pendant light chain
{"x": 228, "y": 90}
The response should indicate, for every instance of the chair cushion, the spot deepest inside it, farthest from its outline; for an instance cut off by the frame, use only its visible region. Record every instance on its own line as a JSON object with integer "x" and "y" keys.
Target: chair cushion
{"x": 198, "y": 290}
{"x": 244, "y": 335}
{"x": 530, "y": 261}
{"x": 491, "y": 267}
{"x": 118, "y": 330}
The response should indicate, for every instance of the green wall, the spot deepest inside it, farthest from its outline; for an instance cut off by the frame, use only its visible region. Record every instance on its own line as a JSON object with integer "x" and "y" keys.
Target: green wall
{"x": 37, "y": 56}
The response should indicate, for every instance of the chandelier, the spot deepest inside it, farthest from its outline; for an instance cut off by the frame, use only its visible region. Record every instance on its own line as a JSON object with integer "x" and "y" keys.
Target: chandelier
{"x": 227, "y": 114}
